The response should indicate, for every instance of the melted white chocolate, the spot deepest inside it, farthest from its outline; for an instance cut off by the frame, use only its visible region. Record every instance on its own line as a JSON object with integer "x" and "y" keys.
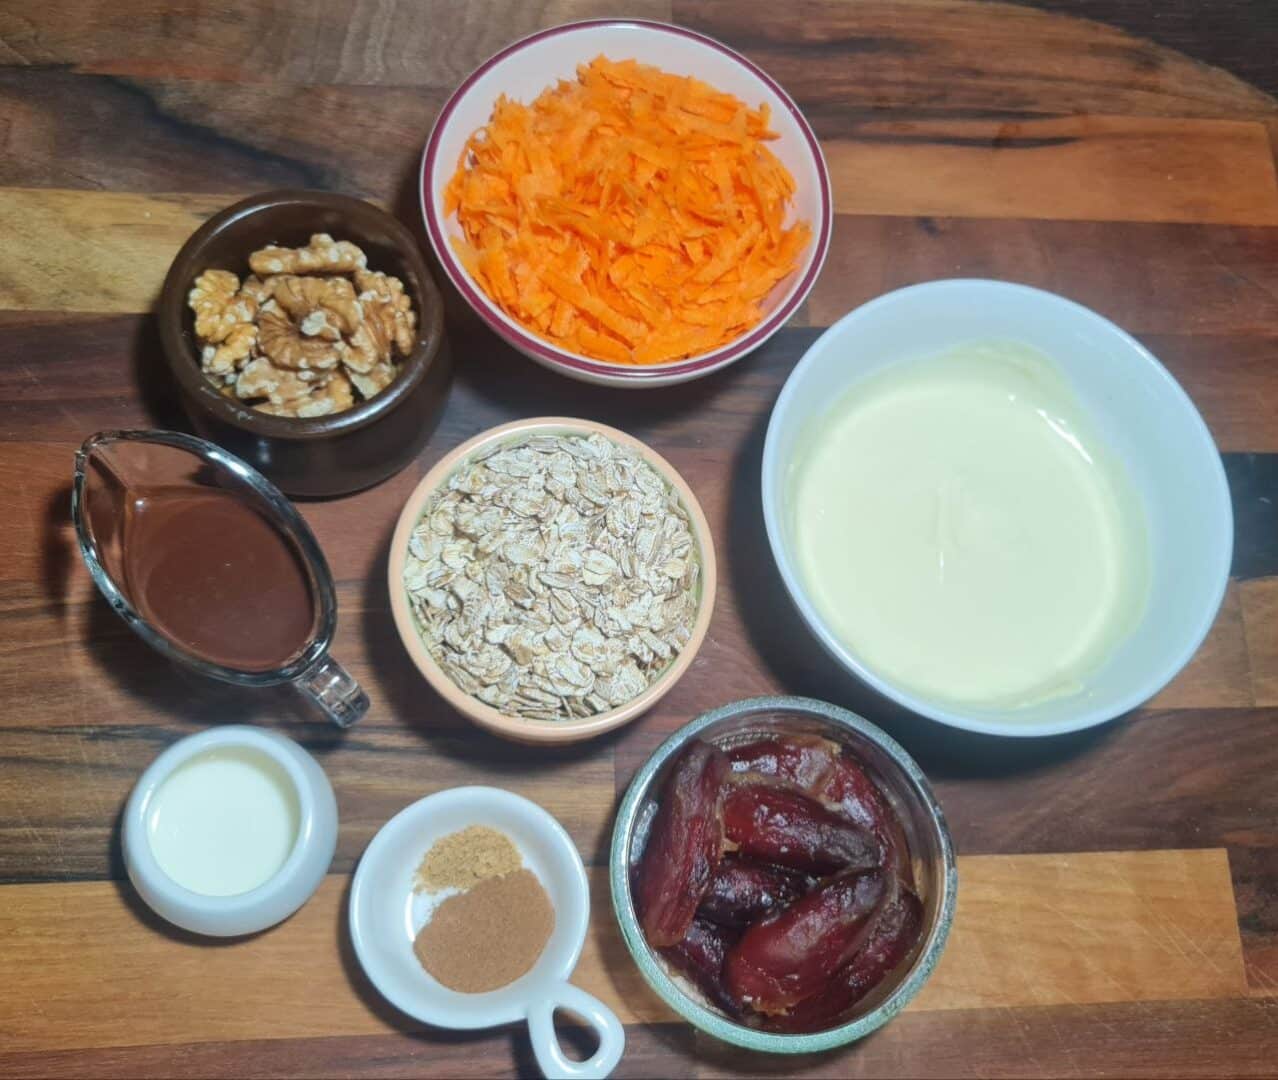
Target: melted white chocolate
{"x": 962, "y": 530}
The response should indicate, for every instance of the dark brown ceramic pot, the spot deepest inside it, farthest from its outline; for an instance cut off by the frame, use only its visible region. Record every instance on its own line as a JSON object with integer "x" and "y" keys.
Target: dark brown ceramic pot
{"x": 327, "y": 455}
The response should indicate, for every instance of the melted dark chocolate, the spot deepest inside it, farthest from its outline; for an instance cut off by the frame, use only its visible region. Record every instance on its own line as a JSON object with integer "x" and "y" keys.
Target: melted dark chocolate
{"x": 216, "y": 577}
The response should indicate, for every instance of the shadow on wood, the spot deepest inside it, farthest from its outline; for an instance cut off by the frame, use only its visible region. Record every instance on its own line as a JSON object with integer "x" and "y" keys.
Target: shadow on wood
{"x": 153, "y": 381}
{"x": 58, "y": 549}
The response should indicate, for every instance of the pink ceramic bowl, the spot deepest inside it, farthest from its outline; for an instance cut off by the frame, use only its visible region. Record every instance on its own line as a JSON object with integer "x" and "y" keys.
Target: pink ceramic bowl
{"x": 526, "y": 68}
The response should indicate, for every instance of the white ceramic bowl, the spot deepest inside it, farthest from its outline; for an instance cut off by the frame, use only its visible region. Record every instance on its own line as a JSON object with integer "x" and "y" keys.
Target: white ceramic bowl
{"x": 275, "y": 899}
{"x": 1136, "y": 406}
{"x": 386, "y": 916}
{"x": 526, "y": 68}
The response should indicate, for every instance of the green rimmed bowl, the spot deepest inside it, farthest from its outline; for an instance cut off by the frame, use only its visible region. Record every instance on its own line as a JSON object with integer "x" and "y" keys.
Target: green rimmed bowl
{"x": 900, "y": 779}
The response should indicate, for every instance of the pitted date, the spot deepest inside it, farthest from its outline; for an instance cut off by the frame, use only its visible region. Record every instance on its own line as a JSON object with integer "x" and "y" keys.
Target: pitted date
{"x": 700, "y": 956}
{"x": 803, "y": 760}
{"x": 785, "y": 960}
{"x": 849, "y": 787}
{"x": 684, "y": 845}
{"x": 824, "y": 770}
{"x": 778, "y": 825}
{"x": 895, "y": 933}
{"x": 743, "y": 892}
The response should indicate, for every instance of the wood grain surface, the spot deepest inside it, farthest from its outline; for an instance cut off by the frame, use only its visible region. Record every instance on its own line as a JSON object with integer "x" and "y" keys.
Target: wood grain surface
{"x": 1118, "y": 908}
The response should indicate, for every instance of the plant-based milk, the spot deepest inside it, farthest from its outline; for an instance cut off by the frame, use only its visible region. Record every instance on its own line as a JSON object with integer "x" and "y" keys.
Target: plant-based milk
{"x": 224, "y": 822}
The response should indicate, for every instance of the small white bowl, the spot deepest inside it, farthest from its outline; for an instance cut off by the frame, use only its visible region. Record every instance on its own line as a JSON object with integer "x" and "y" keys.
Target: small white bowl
{"x": 526, "y": 68}
{"x": 1136, "y": 406}
{"x": 274, "y": 900}
{"x": 386, "y": 915}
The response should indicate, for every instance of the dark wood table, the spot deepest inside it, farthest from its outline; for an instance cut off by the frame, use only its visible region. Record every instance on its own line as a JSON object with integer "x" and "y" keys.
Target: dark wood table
{"x": 1118, "y": 911}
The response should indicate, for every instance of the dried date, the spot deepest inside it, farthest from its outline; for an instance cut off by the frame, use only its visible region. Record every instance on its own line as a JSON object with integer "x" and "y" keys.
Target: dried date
{"x": 801, "y": 759}
{"x": 778, "y": 825}
{"x": 850, "y": 788}
{"x": 785, "y": 960}
{"x": 895, "y": 933}
{"x": 700, "y": 956}
{"x": 824, "y": 770}
{"x": 744, "y": 892}
{"x": 684, "y": 845}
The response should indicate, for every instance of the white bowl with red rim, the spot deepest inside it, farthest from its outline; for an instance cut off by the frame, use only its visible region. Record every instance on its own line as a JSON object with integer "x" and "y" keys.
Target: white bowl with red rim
{"x": 523, "y": 70}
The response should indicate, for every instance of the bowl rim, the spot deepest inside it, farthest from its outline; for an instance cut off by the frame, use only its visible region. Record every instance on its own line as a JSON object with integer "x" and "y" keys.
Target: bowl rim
{"x": 550, "y": 354}
{"x": 184, "y": 363}
{"x": 992, "y": 723}
{"x": 708, "y": 1020}
{"x": 545, "y": 731}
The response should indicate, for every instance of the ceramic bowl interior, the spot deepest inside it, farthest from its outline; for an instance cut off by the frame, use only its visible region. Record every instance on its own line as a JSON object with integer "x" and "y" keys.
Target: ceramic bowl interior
{"x": 897, "y": 776}
{"x": 289, "y": 218}
{"x": 526, "y": 68}
{"x": 1135, "y": 406}
{"x": 514, "y": 727}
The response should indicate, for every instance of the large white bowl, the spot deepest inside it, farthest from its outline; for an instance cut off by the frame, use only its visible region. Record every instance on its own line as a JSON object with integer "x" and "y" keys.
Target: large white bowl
{"x": 526, "y": 68}
{"x": 1136, "y": 406}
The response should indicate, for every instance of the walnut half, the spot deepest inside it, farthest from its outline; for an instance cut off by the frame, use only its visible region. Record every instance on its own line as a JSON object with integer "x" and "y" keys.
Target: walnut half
{"x": 218, "y": 305}
{"x": 319, "y": 306}
{"x": 280, "y": 340}
{"x": 389, "y": 304}
{"x": 309, "y": 332}
{"x": 323, "y": 255}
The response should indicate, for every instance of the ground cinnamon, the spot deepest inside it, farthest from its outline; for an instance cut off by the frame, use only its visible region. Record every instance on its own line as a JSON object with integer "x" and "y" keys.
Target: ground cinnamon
{"x": 487, "y": 937}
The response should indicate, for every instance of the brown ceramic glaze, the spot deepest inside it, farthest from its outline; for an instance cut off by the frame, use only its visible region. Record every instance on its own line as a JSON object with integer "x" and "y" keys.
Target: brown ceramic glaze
{"x": 327, "y": 455}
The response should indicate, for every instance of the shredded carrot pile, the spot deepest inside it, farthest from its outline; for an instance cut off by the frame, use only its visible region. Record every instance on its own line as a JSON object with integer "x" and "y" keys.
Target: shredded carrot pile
{"x": 632, "y": 216}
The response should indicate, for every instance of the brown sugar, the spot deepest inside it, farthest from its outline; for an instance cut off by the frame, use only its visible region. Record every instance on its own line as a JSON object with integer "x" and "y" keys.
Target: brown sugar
{"x": 463, "y": 859}
{"x": 486, "y": 938}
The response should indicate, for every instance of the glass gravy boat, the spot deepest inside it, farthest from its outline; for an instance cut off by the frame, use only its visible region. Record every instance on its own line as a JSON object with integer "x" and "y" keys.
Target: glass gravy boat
{"x": 134, "y": 494}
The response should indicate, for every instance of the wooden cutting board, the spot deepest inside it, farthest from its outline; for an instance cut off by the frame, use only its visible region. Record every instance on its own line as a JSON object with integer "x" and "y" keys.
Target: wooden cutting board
{"x": 1118, "y": 910}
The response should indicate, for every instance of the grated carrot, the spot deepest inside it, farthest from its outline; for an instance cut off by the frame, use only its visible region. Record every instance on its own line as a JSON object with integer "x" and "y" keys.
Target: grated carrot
{"x": 632, "y": 216}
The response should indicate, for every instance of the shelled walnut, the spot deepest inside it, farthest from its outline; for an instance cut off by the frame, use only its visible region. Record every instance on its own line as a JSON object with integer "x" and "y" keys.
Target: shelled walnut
{"x": 310, "y": 332}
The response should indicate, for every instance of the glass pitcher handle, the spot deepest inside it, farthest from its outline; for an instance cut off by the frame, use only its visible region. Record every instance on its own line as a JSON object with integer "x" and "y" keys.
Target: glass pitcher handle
{"x": 331, "y": 687}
